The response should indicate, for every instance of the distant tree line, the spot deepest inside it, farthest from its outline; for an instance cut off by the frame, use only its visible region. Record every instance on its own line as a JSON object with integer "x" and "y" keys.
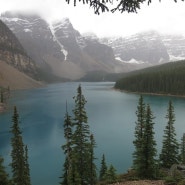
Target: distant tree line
{"x": 164, "y": 79}
{"x": 79, "y": 166}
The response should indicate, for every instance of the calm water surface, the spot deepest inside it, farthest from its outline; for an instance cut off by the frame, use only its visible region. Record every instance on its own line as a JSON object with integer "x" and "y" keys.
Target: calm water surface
{"x": 111, "y": 116}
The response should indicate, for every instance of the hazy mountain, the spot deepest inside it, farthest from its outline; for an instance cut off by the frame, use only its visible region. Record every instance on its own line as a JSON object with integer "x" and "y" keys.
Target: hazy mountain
{"x": 59, "y": 48}
{"x": 141, "y": 48}
{"x": 15, "y": 64}
{"x": 175, "y": 45}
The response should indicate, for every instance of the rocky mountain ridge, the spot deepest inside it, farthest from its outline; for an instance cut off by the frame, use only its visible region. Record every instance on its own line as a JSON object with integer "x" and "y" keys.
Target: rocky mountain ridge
{"x": 12, "y": 52}
{"x": 147, "y": 47}
{"x": 15, "y": 64}
{"x": 60, "y": 50}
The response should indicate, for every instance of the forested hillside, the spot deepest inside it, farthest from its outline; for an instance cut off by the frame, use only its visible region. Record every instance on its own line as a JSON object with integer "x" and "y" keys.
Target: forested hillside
{"x": 164, "y": 79}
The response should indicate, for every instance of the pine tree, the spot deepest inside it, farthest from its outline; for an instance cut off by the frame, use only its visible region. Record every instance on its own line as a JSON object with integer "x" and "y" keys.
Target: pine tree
{"x": 103, "y": 169}
{"x": 182, "y": 156}
{"x": 19, "y": 171}
{"x": 169, "y": 154}
{"x": 4, "y": 179}
{"x": 27, "y": 167}
{"x": 110, "y": 175}
{"x": 67, "y": 147}
{"x": 81, "y": 137}
{"x": 149, "y": 150}
{"x": 92, "y": 175}
{"x": 139, "y": 132}
{"x": 73, "y": 175}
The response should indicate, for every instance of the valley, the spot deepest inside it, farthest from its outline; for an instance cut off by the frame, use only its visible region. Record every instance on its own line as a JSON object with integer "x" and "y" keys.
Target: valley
{"x": 60, "y": 53}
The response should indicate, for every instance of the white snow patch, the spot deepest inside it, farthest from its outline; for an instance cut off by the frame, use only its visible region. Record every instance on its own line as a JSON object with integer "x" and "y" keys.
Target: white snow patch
{"x": 27, "y": 30}
{"x": 176, "y": 58}
{"x": 13, "y": 19}
{"x": 65, "y": 52}
{"x": 132, "y": 61}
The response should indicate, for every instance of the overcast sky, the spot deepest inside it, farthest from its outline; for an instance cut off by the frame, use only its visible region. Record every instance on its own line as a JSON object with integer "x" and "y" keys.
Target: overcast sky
{"x": 166, "y": 17}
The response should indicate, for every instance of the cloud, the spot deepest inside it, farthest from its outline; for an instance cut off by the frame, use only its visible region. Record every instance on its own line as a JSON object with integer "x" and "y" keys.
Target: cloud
{"x": 166, "y": 16}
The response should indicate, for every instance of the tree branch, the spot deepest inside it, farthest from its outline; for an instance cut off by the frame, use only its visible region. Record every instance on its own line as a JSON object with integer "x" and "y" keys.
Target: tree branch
{"x": 123, "y": 5}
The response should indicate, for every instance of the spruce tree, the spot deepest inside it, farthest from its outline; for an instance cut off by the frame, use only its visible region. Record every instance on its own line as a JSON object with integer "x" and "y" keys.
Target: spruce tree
{"x": 4, "y": 179}
{"x": 182, "y": 155}
{"x": 92, "y": 175}
{"x": 169, "y": 154}
{"x": 139, "y": 133}
{"x": 81, "y": 137}
{"x": 73, "y": 175}
{"x": 103, "y": 169}
{"x": 110, "y": 175}
{"x": 149, "y": 151}
{"x": 27, "y": 167}
{"x": 67, "y": 147}
{"x": 19, "y": 170}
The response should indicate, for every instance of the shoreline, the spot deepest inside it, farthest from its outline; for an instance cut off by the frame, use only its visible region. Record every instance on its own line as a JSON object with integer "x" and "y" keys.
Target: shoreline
{"x": 2, "y": 107}
{"x": 152, "y": 94}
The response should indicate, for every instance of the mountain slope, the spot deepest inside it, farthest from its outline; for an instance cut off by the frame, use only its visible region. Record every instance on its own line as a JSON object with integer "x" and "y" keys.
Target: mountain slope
{"x": 12, "y": 52}
{"x": 142, "y": 48}
{"x": 58, "y": 48}
{"x": 16, "y": 68}
{"x": 163, "y": 79}
{"x": 14, "y": 79}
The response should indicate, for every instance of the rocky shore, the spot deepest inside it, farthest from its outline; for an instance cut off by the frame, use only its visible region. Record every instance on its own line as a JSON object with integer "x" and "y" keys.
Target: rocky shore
{"x": 141, "y": 182}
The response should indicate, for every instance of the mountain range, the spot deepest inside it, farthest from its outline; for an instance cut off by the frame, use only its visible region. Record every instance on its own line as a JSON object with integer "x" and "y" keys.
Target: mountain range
{"x": 61, "y": 52}
{"x": 58, "y": 48}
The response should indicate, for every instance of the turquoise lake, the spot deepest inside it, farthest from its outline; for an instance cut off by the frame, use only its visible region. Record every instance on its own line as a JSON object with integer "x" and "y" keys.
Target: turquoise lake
{"x": 111, "y": 116}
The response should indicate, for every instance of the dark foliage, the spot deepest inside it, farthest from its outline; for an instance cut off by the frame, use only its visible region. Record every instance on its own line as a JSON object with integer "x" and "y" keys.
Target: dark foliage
{"x": 4, "y": 179}
{"x": 182, "y": 154}
{"x": 170, "y": 149}
{"x": 79, "y": 166}
{"x": 121, "y": 5}
{"x": 19, "y": 154}
{"x": 103, "y": 169}
{"x": 144, "y": 155}
{"x": 163, "y": 79}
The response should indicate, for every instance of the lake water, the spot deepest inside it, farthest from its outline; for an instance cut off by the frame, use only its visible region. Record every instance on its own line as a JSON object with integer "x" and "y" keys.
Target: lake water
{"x": 111, "y": 116}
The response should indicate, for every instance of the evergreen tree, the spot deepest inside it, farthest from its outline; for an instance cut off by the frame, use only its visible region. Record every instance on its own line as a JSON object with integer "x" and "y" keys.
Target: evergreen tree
{"x": 19, "y": 171}
{"x": 92, "y": 175}
{"x": 139, "y": 133}
{"x": 110, "y": 175}
{"x": 27, "y": 167}
{"x": 81, "y": 138}
{"x": 4, "y": 179}
{"x": 182, "y": 156}
{"x": 67, "y": 149}
{"x": 169, "y": 154}
{"x": 73, "y": 175}
{"x": 149, "y": 151}
{"x": 79, "y": 167}
{"x": 103, "y": 169}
